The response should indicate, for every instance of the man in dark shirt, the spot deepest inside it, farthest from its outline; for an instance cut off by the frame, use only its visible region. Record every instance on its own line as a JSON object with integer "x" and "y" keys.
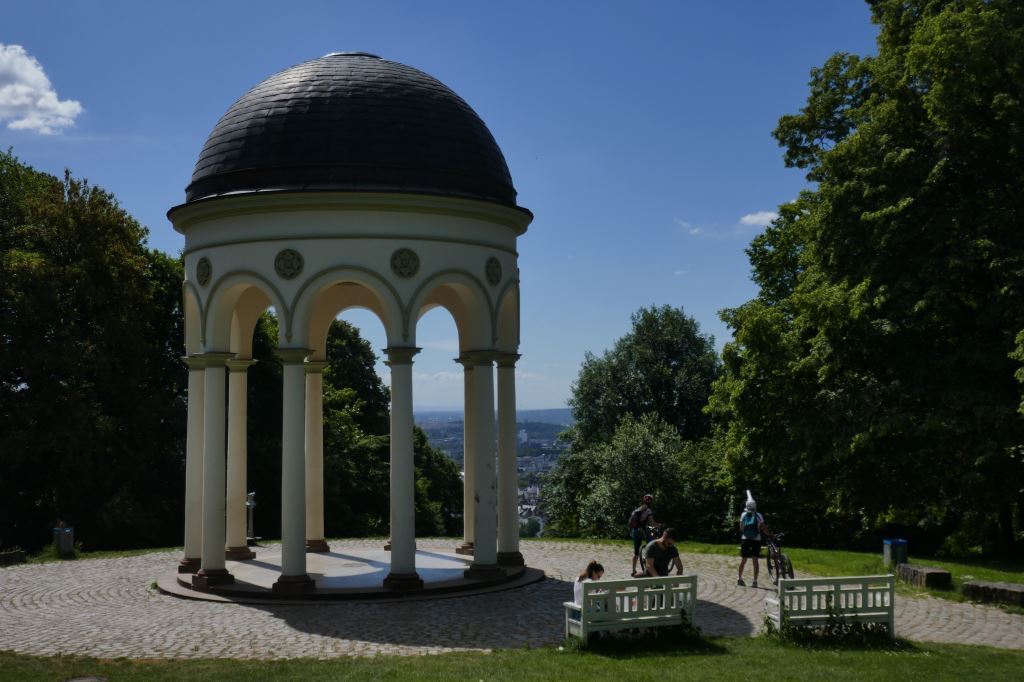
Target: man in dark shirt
{"x": 662, "y": 553}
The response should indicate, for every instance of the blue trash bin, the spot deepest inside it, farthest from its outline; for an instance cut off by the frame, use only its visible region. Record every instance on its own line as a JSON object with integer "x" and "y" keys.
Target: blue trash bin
{"x": 64, "y": 540}
{"x": 894, "y": 552}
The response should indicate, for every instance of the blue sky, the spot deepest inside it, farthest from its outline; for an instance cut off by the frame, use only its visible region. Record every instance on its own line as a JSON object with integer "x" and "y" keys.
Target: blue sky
{"x": 637, "y": 133}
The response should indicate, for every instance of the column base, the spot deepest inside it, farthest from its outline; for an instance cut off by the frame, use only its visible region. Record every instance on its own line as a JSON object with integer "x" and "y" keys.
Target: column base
{"x": 211, "y": 577}
{"x": 189, "y": 565}
{"x": 484, "y": 572}
{"x": 465, "y": 548}
{"x": 317, "y": 546}
{"x": 403, "y": 582}
{"x": 294, "y": 584}
{"x": 239, "y": 554}
{"x": 510, "y": 559}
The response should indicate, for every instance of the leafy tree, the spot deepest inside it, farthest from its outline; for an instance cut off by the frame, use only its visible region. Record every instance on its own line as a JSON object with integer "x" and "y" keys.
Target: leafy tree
{"x": 872, "y": 377}
{"x": 663, "y": 366}
{"x": 91, "y": 391}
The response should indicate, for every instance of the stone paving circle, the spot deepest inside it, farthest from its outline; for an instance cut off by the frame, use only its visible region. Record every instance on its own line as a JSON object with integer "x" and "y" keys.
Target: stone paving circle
{"x": 106, "y": 608}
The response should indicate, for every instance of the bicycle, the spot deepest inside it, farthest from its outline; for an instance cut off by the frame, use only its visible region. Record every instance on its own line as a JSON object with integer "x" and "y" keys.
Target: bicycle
{"x": 779, "y": 565}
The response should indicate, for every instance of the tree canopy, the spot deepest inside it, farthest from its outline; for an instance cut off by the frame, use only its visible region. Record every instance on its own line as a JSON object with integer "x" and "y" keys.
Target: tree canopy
{"x": 873, "y": 376}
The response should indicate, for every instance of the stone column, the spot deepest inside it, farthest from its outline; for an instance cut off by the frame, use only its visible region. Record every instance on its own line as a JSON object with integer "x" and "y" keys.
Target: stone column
{"x": 468, "y": 459}
{"x": 194, "y": 468}
{"x": 315, "y": 541}
{"x": 238, "y": 452}
{"x": 403, "y": 574}
{"x": 508, "y": 473}
{"x": 212, "y": 571}
{"x": 293, "y": 473}
{"x": 485, "y": 548}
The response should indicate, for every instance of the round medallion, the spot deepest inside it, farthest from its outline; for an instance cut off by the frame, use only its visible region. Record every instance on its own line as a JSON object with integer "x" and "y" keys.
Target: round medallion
{"x": 204, "y": 271}
{"x": 493, "y": 271}
{"x": 288, "y": 264}
{"x": 405, "y": 263}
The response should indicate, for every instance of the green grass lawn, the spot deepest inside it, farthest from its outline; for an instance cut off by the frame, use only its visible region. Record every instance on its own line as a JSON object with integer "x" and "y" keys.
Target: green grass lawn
{"x": 714, "y": 659}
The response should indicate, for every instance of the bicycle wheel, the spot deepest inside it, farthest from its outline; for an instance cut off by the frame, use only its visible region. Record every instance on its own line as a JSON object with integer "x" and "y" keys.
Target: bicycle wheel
{"x": 773, "y": 568}
{"x": 787, "y": 567}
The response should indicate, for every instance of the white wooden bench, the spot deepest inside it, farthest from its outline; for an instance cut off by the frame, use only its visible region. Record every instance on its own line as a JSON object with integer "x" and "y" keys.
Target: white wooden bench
{"x": 635, "y": 603}
{"x": 810, "y": 601}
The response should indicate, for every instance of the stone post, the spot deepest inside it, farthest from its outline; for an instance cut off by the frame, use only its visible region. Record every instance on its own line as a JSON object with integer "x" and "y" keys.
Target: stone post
{"x": 469, "y": 482}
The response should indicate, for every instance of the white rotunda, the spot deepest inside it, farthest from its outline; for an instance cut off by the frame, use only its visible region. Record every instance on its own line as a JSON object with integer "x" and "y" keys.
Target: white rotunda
{"x": 348, "y": 181}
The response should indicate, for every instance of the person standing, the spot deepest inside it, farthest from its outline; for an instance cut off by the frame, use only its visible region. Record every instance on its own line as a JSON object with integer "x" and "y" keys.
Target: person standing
{"x": 641, "y": 517}
{"x": 752, "y": 526}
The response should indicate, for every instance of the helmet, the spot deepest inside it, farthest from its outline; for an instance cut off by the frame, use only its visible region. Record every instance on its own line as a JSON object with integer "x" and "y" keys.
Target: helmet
{"x": 648, "y": 498}
{"x": 751, "y": 506}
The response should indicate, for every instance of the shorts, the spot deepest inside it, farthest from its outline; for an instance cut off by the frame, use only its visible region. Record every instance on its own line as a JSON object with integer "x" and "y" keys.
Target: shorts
{"x": 750, "y": 549}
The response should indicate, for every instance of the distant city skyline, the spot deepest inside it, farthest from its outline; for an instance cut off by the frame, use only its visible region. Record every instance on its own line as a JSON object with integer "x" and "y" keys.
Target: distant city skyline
{"x": 638, "y": 135}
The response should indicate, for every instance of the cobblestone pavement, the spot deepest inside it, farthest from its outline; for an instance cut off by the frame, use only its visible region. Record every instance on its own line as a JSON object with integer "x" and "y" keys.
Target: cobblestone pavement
{"x": 106, "y": 608}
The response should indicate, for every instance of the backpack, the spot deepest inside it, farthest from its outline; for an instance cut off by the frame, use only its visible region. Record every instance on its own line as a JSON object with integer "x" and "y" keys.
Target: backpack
{"x": 636, "y": 517}
{"x": 749, "y": 526}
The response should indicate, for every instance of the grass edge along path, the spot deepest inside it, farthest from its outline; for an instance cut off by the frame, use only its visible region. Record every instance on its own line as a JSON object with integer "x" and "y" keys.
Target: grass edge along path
{"x": 834, "y": 562}
{"x": 717, "y": 658}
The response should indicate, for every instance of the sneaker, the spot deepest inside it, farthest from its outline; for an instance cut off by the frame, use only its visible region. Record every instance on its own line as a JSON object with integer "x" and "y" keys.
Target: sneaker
{"x": 753, "y": 584}
{"x": 743, "y": 584}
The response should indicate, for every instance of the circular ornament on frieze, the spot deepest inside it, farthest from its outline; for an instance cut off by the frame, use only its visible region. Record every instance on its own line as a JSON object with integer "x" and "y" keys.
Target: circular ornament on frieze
{"x": 493, "y": 271}
{"x": 288, "y": 264}
{"x": 204, "y": 271}
{"x": 405, "y": 263}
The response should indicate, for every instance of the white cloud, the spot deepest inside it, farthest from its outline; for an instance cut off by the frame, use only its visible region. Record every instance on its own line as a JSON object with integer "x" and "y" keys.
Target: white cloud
{"x": 680, "y": 273}
{"x": 759, "y": 219}
{"x": 690, "y": 229}
{"x": 27, "y": 99}
{"x": 438, "y": 377}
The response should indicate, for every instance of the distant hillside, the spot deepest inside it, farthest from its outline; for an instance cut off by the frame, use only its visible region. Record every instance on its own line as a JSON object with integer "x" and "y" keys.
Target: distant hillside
{"x": 561, "y": 416}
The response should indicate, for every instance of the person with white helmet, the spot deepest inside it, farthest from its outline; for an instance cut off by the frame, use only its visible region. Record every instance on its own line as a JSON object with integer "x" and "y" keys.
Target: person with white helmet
{"x": 752, "y": 526}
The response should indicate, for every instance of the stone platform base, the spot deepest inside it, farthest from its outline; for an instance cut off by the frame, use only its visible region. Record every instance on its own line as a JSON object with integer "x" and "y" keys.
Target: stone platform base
{"x": 362, "y": 574}
{"x": 925, "y": 576}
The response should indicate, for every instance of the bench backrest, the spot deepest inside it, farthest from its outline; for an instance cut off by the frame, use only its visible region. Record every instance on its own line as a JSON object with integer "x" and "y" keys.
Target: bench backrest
{"x": 616, "y": 599}
{"x": 817, "y": 596}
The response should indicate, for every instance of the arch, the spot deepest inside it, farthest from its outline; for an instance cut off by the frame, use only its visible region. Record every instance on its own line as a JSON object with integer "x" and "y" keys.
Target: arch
{"x": 465, "y": 297}
{"x": 506, "y": 321}
{"x": 223, "y": 300}
{"x": 329, "y": 292}
{"x": 192, "y": 305}
{"x": 250, "y": 305}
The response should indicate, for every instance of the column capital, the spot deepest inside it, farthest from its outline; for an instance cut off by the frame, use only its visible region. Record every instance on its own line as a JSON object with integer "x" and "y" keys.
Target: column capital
{"x": 315, "y": 366}
{"x": 194, "y": 362}
{"x": 479, "y": 357}
{"x": 400, "y": 355}
{"x": 205, "y": 360}
{"x": 506, "y": 360}
{"x": 292, "y": 356}
{"x": 239, "y": 364}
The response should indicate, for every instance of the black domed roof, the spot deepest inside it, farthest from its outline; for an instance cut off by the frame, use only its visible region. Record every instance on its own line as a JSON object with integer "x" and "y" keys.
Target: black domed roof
{"x": 352, "y": 121}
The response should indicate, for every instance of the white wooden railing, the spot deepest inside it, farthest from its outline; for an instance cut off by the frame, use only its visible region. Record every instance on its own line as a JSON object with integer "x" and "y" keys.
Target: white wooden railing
{"x": 634, "y": 603}
{"x": 812, "y": 601}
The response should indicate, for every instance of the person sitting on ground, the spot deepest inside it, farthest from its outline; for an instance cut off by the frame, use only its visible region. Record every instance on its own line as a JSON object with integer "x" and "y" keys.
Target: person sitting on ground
{"x": 641, "y": 517}
{"x": 752, "y": 526}
{"x": 660, "y": 554}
